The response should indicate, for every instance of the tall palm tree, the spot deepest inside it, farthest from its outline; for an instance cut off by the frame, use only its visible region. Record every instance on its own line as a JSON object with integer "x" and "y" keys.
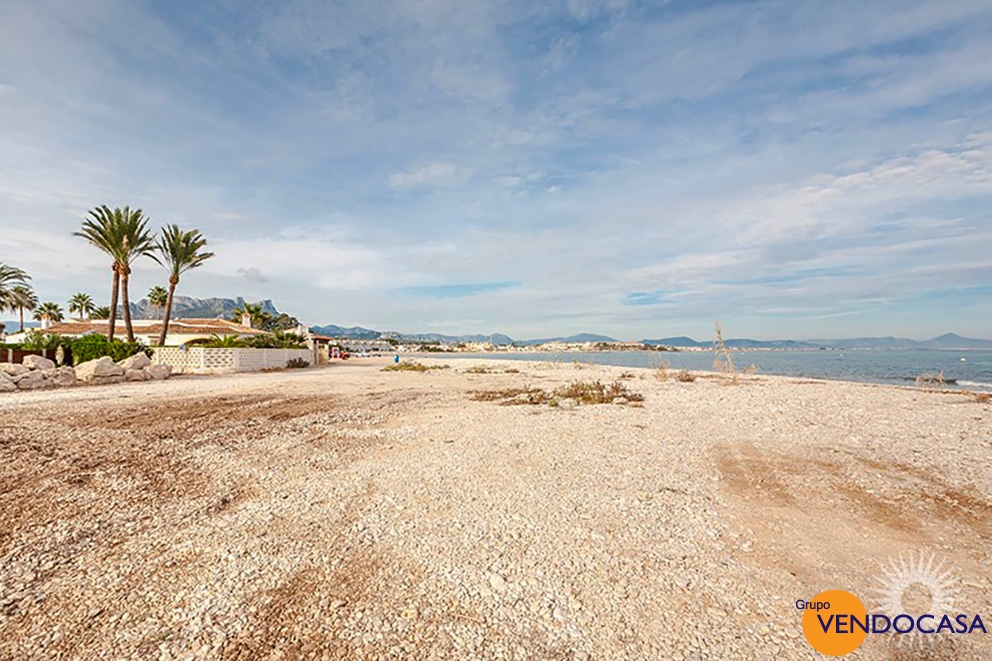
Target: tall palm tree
{"x": 254, "y": 311}
{"x": 22, "y": 298}
{"x": 102, "y": 312}
{"x": 123, "y": 234}
{"x": 157, "y": 297}
{"x": 10, "y": 276}
{"x": 178, "y": 251}
{"x": 50, "y": 311}
{"x": 81, "y": 303}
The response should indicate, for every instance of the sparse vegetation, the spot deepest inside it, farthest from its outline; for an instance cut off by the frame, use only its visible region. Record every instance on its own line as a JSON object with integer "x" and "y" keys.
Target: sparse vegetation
{"x": 982, "y": 397}
{"x": 413, "y": 366}
{"x": 580, "y": 392}
{"x": 486, "y": 369}
{"x": 626, "y": 375}
{"x": 685, "y": 376}
{"x": 297, "y": 363}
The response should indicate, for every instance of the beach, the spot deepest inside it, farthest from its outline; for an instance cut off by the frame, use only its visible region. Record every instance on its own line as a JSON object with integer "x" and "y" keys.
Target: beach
{"x": 348, "y": 512}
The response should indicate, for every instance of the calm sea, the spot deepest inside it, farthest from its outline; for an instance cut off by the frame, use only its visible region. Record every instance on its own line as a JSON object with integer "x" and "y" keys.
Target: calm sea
{"x": 970, "y": 370}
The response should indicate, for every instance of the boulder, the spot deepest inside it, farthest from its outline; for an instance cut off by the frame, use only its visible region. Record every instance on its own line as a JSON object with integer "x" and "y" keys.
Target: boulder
{"x": 134, "y": 375}
{"x": 33, "y": 380}
{"x": 100, "y": 368}
{"x": 158, "y": 372}
{"x": 136, "y": 362}
{"x": 63, "y": 377}
{"x": 13, "y": 369}
{"x": 38, "y": 363}
{"x": 6, "y": 383}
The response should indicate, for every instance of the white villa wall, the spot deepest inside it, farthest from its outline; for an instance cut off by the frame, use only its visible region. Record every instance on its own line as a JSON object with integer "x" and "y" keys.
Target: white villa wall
{"x": 207, "y": 360}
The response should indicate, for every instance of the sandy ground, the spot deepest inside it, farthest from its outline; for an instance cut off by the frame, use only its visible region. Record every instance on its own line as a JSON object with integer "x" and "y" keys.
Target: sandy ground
{"x": 346, "y": 512}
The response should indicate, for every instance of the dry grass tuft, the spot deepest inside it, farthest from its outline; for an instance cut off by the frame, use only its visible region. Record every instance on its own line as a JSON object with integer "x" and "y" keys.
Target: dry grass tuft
{"x": 982, "y": 397}
{"x": 685, "y": 376}
{"x": 930, "y": 382}
{"x": 660, "y": 368}
{"x": 724, "y": 363}
{"x": 581, "y": 392}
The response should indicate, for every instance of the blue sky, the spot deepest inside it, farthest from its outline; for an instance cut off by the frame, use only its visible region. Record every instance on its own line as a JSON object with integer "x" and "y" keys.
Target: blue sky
{"x": 534, "y": 168}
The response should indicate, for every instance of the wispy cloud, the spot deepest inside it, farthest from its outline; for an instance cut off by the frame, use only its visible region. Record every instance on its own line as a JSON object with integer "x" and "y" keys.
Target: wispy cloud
{"x": 632, "y": 168}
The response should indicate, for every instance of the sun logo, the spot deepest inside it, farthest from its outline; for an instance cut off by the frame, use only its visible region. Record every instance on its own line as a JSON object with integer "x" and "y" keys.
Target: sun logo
{"x": 916, "y": 585}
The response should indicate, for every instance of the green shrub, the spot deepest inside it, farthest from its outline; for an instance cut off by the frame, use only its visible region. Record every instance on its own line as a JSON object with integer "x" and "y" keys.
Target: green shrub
{"x": 37, "y": 341}
{"x": 297, "y": 363}
{"x": 91, "y": 347}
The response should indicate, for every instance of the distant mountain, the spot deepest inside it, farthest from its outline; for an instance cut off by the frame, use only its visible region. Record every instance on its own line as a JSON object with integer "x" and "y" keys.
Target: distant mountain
{"x": 947, "y": 341}
{"x": 571, "y": 339}
{"x": 187, "y": 307}
{"x": 353, "y": 333}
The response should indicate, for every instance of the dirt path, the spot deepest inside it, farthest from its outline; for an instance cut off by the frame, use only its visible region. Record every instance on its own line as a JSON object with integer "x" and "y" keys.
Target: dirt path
{"x": 351, "y": 513}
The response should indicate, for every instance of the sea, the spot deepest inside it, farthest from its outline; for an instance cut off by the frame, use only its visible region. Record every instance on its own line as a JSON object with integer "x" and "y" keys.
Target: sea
{"x": 962, "y": 369}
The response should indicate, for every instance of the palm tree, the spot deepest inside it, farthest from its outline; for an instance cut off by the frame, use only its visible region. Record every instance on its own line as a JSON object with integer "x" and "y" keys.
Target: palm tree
{"x": 102, "y": 312}
{"x": 157, "y": 297}
{"x": 178, "y": 251}
{"x": 254, "y": 311}
{"x": 50, "y": 311}
{"x": 10, "y": 276}
{"x": 21, "y": 298}
{"x": 81, "y": 303}
{"x": 123, "y": 234}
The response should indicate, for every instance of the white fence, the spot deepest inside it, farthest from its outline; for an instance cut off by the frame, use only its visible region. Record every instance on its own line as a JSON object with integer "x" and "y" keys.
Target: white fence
{"x": 206, "y": 360}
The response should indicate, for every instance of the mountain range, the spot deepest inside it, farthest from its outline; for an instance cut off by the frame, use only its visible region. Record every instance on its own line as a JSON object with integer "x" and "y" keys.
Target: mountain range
{"x": 208, "y": 308}
{"x": 187, "y": 307}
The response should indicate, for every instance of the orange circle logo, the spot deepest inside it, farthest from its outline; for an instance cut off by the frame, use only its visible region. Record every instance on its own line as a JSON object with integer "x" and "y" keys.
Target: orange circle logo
{"x": 835, "y": 623}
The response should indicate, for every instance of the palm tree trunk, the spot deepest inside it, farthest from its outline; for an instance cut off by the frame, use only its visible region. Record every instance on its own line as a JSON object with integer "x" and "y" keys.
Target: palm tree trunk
{"x": 114, "y": 292}
{"x": 126, "y": 303}
{"x": 21, "y": 308}
{"x": 168, "y": 312}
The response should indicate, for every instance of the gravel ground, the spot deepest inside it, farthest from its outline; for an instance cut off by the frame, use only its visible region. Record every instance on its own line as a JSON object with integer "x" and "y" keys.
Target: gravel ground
{"x": 346, "y": 512}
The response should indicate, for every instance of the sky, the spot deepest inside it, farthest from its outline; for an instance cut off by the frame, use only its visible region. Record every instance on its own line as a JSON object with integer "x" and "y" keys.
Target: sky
{"x": 536, "y": 168}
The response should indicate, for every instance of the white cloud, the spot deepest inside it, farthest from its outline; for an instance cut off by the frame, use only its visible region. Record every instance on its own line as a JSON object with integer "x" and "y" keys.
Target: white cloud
{"x": 430, "y": 174}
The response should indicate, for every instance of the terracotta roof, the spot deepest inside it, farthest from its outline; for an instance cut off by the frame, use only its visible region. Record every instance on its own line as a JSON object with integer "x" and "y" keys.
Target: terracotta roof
{"x": 154, "y": 327}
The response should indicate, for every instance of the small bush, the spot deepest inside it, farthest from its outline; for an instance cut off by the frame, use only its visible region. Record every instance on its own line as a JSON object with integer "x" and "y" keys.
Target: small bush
{"x": 40, "y": 341}
{"x": 297, "y": 363}
{"x": 479, "y": 369}
{"x": 91, "y": 347}
{"x": 511, "y": 370}
{"x": 685, "y": 376}
{"x": 982, "y": 397}
{"x": 626, "y": 375}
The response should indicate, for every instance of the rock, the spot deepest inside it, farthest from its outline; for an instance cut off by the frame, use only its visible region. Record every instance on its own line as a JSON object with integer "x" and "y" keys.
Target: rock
{"x": 38, "y": 363}
{"x": 63, "y": 377}
{"x": 136, "y": 362}
{"x": 567, "y": 404}
{"x": 158, "y": 372}
{"x": 13, "y": 369}
{"x": 6, "y": 383}
{"x": 33, "y": 380}
{"x": 497, "y": 582}
{"x": 135, "y": 375}
{"x": 102, "y": 367}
